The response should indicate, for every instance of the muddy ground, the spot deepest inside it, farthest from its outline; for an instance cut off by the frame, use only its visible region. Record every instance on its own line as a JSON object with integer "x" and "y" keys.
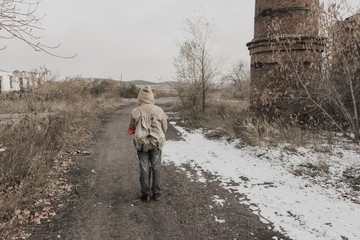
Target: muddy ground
{"x": 104, "y": 203}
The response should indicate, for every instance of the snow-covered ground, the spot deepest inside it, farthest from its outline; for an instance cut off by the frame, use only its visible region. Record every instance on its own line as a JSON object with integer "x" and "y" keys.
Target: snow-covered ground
{"x": 299, "y": 205}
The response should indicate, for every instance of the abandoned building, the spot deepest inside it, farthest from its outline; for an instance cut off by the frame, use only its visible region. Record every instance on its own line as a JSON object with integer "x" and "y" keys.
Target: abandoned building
{"x": 285, "y": 37}
{"x": 18, "y": 80}
{"x": 6, "y": 81}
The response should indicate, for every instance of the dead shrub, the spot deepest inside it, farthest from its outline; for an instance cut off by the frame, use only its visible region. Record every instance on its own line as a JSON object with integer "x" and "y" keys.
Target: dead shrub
{"x": 69, "y": 90}
{"x": 235, "y": 119}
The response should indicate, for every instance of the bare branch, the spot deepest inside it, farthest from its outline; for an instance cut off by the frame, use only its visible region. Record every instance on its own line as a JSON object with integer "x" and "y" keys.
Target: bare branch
{"x": 18, "y": 20}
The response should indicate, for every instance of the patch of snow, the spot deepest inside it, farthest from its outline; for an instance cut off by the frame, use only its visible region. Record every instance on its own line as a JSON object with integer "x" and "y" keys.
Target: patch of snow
{"x": 276, "y": 238}
{"x": 197, "y": 176}
{"x": 219, "y": 220}
{"x": 300, "y": 206}
{"x": 218, "y": 201}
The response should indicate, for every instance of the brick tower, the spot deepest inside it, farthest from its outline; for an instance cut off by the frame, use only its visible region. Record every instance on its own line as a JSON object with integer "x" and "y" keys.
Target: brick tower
{"x": 285, "y": 37}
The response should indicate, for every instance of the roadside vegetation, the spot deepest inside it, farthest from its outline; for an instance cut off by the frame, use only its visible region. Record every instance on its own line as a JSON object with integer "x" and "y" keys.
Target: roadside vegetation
{"x": 222, "y": 101}
{"x": 41, "y": 129}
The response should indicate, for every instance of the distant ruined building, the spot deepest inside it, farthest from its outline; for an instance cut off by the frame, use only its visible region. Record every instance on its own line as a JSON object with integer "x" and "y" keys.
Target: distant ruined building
{"x": 19, "y": 80}
{"x": 286, "y": 47}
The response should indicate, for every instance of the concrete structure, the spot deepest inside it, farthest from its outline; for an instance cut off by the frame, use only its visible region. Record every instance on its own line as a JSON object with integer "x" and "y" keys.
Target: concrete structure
{"x": 17, "y": 81}
{"x": 6, "y": 81}
{"x": 285, "y": 37}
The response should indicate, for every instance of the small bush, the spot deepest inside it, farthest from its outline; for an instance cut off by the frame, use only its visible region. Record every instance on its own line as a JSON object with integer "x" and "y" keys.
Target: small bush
{"x": 99, "y": 89}
{"x": 128, "y": 90}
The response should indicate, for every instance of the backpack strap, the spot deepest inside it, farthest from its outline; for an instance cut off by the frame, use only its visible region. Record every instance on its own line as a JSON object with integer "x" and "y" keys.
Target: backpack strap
{"x": 153, "y": 110}
{"x": 142, "y": 111}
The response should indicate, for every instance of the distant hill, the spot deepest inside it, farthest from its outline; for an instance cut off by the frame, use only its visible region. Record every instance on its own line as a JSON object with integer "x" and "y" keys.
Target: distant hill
{"x": 98, "y": 80}
{"x": 143, "y": 82}
{"x": 136, "y": 82}
{"x": 140, "y": 82}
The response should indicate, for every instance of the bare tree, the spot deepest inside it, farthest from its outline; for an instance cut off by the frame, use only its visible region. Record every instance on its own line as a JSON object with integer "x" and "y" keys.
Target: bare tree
{"x": 195, "y": 68}
{"x": 19, "y": 20}
{"x": 239, "y": 80}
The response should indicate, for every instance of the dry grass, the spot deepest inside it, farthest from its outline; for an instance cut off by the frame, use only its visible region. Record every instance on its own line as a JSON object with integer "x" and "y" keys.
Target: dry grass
{"x": 55, "y": 118}
{"x": 164, "y": 92}
{"x": 58, "y": 96}
{"x": 233, "y": 119}
{"x": 31, "y": 145}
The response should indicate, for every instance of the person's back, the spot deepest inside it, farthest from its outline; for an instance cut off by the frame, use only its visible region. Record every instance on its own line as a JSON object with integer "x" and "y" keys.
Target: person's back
{"x": 147, "y": 105}
{"x": 146, "y": 101}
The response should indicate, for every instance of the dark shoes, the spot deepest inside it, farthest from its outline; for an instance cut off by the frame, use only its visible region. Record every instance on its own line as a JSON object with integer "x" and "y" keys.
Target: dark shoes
{"x": 145, "y": 198}
{"x": 157, "y": 196}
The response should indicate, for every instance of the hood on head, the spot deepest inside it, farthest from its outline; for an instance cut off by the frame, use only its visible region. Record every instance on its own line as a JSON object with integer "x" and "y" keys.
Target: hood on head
{"x": 146, "y": 96}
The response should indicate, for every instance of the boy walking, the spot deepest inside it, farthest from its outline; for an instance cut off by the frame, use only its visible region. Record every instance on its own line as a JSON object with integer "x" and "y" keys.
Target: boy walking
{"x": 149, "y": 124}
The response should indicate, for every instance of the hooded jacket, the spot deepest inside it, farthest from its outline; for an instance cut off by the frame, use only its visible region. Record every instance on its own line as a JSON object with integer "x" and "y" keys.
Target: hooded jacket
{"x": 146, "y": 101}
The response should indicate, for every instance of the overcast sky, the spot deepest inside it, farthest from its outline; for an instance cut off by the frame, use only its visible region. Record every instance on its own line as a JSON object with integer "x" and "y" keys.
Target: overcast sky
{"x": 132, "y": 38}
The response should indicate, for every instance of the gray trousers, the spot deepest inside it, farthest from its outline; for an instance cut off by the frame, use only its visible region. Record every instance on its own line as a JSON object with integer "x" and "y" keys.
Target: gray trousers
{"x": 145, "y": 158}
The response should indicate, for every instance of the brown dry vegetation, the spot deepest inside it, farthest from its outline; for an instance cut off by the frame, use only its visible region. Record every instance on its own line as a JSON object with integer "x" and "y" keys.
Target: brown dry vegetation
{"x": 232, "y": 119}
{"x": 70, "y": 95}
{"x": 160, "y": 93}
{"x": 36, "y": 145}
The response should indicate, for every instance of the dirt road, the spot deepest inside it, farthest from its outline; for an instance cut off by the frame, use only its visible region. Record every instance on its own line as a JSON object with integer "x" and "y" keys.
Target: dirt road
{"x": 105, "y": 205}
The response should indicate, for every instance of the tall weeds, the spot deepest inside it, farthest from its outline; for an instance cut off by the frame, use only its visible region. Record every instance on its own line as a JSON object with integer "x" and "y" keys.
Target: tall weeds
{"x": 40, "y": 125}
{"x": 31, "y": 145}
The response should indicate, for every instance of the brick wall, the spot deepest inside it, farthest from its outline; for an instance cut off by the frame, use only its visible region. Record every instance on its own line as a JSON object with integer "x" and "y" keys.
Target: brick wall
{"x": 285, "y": 31}
{"x": 262, "y": 5}
{"x": 289, "y": 22}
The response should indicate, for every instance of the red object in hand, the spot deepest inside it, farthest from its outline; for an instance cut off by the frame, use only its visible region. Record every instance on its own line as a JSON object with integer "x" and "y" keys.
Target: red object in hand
{"x": 130, "y": 130}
